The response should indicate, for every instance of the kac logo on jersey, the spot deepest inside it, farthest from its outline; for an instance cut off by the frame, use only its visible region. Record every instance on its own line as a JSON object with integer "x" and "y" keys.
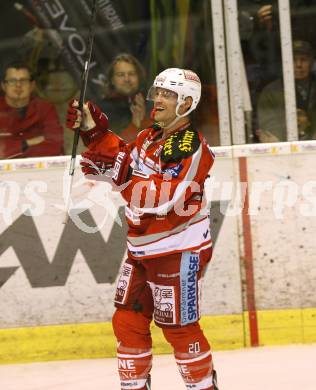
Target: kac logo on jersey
{"x": 174, "y": 171}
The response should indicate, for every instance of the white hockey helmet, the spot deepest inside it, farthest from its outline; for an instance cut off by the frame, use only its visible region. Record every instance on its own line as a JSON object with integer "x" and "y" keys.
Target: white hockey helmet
{"x": 183, "y": 82}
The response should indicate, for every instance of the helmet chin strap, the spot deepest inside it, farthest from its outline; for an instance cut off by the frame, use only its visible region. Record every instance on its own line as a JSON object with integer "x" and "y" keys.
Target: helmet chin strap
{"x": 172, "y": 123}
{"x": 177, "y": 118}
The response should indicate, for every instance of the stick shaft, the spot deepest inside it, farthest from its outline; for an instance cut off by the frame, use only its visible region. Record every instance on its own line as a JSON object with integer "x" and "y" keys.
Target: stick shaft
{"x": 84, "y": 80}
{"x": 68, "y": 200}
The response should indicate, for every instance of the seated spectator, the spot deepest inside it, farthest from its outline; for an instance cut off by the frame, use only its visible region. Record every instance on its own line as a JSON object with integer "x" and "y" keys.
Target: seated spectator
{"x": 124, "y": 101}
{"x": 271, "y": 104}
{"x": 29, "y": 126}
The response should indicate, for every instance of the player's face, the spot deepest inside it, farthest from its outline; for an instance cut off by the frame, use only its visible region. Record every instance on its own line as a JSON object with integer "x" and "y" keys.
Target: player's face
{"x": 17, "y": 85}
{"x": 165, "y": 103}
{"x": 125, "y": 79}
{"x": 302, "y": 66}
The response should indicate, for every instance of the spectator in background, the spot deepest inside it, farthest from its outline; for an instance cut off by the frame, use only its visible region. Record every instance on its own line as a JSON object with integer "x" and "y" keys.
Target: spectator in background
{"x": 29, "y": 126}
{"x": 271, "y": 105}
{"x": 265, "y": 43}
{"x": 124, "y": 101}
{"x": 303, "y": 17}
{"x": 261, "y": 43}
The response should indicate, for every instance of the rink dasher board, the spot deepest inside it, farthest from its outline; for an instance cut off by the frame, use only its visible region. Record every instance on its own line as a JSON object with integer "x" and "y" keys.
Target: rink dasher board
{"x": 282, "y": 259}
{"x": 55, "y": 282}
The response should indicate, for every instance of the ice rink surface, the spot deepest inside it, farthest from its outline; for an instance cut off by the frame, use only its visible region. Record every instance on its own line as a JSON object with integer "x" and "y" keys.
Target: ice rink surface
{"x": 264, "y": 368}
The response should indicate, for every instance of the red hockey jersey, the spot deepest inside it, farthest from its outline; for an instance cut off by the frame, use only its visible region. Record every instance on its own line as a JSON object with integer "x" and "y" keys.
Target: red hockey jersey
{"x": 165, "y": 210}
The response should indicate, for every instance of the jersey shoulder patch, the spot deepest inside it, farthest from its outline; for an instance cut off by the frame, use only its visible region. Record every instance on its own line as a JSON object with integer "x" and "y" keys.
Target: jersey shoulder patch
{"x": 180, "y": 145}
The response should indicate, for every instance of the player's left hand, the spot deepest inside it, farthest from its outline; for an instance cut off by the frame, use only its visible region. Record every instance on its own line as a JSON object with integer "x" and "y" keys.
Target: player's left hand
{"x": 93, "y": 123}
{"x": 91, "y": 117}
{"x": 102, "y": 166}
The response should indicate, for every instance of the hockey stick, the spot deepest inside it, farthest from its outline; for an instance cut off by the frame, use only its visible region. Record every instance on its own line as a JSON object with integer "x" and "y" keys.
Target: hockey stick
{"x": 84, "y": 80}
{"x": 30, "y": 17}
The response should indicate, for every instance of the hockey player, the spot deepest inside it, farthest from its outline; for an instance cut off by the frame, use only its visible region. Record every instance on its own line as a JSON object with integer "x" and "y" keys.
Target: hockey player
{"x": 161, "y": 176}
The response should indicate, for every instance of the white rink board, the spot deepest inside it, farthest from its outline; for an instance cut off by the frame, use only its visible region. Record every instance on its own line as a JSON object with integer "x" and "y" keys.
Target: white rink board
{"x": 65, "y": 283}
{"x": 222, "y": 284}
{"x": 80, "y": 298}
{"x": 284, "y": 244}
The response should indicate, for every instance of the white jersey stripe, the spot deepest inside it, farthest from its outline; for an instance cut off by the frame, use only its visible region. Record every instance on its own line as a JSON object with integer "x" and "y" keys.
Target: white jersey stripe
{"x": 143, "y": 240}
{"x": 195, "y": 235}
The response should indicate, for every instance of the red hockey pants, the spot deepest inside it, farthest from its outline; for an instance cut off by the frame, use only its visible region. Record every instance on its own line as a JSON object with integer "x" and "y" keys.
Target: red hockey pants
{"x": 167, "y": 289}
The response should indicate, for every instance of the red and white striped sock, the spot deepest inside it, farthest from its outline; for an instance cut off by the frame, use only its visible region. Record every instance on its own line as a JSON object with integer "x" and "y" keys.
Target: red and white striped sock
{"x": 197, "y": 370}
{"x": 134, "y": 369}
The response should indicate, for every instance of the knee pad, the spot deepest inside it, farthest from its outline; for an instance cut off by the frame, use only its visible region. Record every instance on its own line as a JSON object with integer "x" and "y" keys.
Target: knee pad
{"x": 186, "y": 339}
{"x": 193, "y": 355}
{"x": 132, "y": 329}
